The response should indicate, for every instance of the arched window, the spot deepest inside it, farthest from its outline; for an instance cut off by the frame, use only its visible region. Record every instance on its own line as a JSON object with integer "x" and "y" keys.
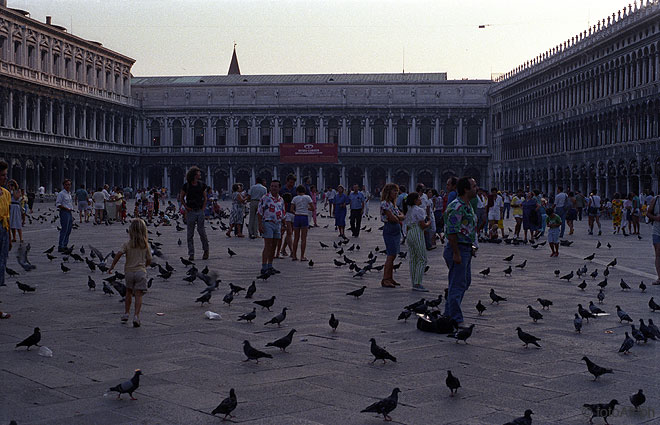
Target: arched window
{"x": 243, "y": 133}
{"x": 402, "y": 132}
{"x": 473, "y": 132}
{"x": 287, "y": 131}
{"x": 264, "y": 131}
{"x": 310, "y": 131}
{"x": 379, "y": 132}
{"x": 220, "y": 133}
{"x": 356, "y": 132}
{"x": 425, "y": 132}
{"x": 198, "y": 133}
{"x": 177, "y": 133}
{"x": 449, "y": 133}
{"x": 333, "y": 131}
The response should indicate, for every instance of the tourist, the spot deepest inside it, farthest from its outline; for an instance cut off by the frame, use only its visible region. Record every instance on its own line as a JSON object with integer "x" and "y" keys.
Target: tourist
{"x": 15, "y": 212}
{"x": 430, "y": 231}
{"x": 340, "y": 201}
{"x": 627, "y": 214}
{"x": 313, "y": 193}
{"x": 593, "y": 210}
{"x": 270, "y": 214}
{"x": 99, "y": 205}
{"x": 517, "y": 211}
{"x": 530, "y": 216}
{"x": 82, "y": 201}
{"x": 64, "y": 203}
{"x": 285, "y": 239}
{"x": 237, "y": 214}
{"x": 392, "y": 219}
{"x": 484, "y": 203}
{"x": 402, "y": 197}
{"x": 367, "y": 198}
{"x": 138, "y": 257}
{"x": 580, "y": 203}
{"x": 507, "y": 203}
{"x": 560, "y": 207}
{"x": 617, "y": 213}
{"x": 330, "y": 198}
{"x": 451, "y": 189}
{"x": 461, "y": 226}
{"x": 636, "y": 213}
{"x": 193, "y": 199}
{"x": 301, "y": 205}
{"x": 256, "y": 192}
{"x": 495, "y": 209}
{"x": 554, "y": 224}
{"x": 438, "y": 211}
{"x": 652, "y": 213}
{"x": 543, "y": 206}
{"x": 415, "y": 222}
{"x": 571, "y": 211}
{"x": 356, "y": 201}
{"x": 5, "y": 206}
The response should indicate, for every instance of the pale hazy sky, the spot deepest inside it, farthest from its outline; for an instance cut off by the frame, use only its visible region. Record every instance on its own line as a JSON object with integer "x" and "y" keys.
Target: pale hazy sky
{"x": 195, "y": 37}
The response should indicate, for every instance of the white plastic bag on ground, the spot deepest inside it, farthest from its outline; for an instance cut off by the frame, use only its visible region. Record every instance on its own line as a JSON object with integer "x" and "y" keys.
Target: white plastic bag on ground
{"x": 212, "y": 316}
{"x": 45, "y": 351}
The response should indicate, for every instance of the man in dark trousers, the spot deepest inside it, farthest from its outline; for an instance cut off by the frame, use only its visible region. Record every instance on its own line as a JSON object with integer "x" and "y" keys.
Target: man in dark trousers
{"x": 193, "y": 198}
{"x": 356, "y": 199}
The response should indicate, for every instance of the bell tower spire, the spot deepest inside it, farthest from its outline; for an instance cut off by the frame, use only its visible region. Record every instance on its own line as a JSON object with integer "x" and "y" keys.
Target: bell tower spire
{"x": 233, "y": 66}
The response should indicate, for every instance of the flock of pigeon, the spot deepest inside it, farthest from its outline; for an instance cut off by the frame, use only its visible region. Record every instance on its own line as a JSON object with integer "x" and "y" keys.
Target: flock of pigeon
{"x": 92, "y": 258}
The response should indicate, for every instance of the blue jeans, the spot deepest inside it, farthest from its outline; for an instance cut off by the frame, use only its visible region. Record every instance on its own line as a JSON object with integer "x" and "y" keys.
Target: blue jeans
{"x": 460, "y": 277}
{"x": 507, "y": 208}
{"x": 66, "y": 221}
{"x": 561, "y": 212}
{"x": 544, "y": 219}
{"x": 4, "y": 253}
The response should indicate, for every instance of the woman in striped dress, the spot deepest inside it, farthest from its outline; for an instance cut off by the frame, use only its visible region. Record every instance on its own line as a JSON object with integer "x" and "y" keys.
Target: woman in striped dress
{"x": 415, "y": 223}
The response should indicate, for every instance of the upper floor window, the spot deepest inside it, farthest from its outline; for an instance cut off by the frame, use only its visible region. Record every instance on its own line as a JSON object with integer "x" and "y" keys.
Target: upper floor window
{"x": 32, "y": 62}
{"x": 78, "y": 71}
{"x": 264, "y": 132}
{"x": 333, "y": 131}
{"x": 310, "y": 131}
{"x": 473, "y": 132}
{"x": 425, "y": 132}
{"x": 243, "y": 133}
{"x": 402, "y": 132}
{"x": 449, "y": 133}
{"x": 177, "y": 133}
{"x": 220, "y": 133}
{"x": 287, "y": 131}
{"x": 68, "y": 72}
{"x": 3, "y": 48}
{"x": 198, "y": 133}
{"x": 356, "y": 132}
{"x": 378, "y": 132}
{"x": 17, "y": 53}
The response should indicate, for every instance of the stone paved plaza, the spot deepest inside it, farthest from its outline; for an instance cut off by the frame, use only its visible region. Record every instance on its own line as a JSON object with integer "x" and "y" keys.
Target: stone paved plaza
{"x": 189, "y": 363}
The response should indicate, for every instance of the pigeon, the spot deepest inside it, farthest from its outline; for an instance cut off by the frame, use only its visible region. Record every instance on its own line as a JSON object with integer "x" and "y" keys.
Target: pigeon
{"x": 90, "y": 283}
{"x": 601, "y": 410}
{"x": 628, "y": 343}
{"x": 606, "y": 272}
{"x": 623, "y": 285}
{"x": 311, "y": 263}
{"x": 637, "y": 399}
{"x": 590, "y": 257}
{"x": 522, "y": 265}
{"x": 603, "y": 283}
{"x": 49, "y": 250}
{"x": 642, "y": 286}
{"x": 338, "y": 263}
{"x": 622, "y": 315}
{"x": 357, "y": 293}
{"x": 11, "y": 272}
{"x": 648, "y": 333}
{"x": 495, "y": 298}
{"x": 179, "y": 242}
{"x": 584, "y": 313}
{"x": 435, "y": 303}
{"x": 227, "y": 405}
{"x": 380, "y": 353}
{"x": 283, "y": 342}
{"x": 485, "y": 272}
{"x": 567, "y": 277}
{"x": 452, "y": 383}
{"x": 385, "y": 406}
{"x": 50, "y": 257}
{"x": 404, "y": 315}
{"x": 544, "y": 303}
{"x": 534, "y": 314}
{"x": 462, "y": 334}
{"x": 480, "y": 308}
{"x": 150, "y": 282}
{"x": 230, "y": 252}
{"x": 333, "y": 322}
{"x": 251, "y": 290}
{"x": 653, "y": 328}
{"x": 609, "y": 246}
{"x": 612, "y": 263}
{"x": 577, "y": 322}
{"x": 107, "y": 289}
{"x": 278, "y": 319}
{"x": 186, "y": 262}
{"x": 228, "y": 298}
{"x": 190, "y": 279}
{"x": 25, "y": 288}
{"x": 594, "y": 273}
{"x": 583, "y": 285}
{"x": 509, "y": 258}
{"x": 594, "y": 369}
{"x": 323, "y": 245}
{"x": 31, "y": 340}
{"x": 638, "y": 335}
{"x": 129, "y": 386}
{"x": 507, "y": 271}
{"x": 600, "y": 296}
{"x": 166, "y": 275}
{"x": 527, "y": 338}
{"x": 598, "y": 245}
{"x": 206, "y": 298}
{"x": 267, "y": 304}
{"x": 416, "y": 304}
{"x": 653, "y": 305}
{"x": 252, "y": 353}
{"x": 523, "y": 420}
{"x": 248, "y": 317}
{"x": 594, "y": 309}
{"x": 557, "y": 273}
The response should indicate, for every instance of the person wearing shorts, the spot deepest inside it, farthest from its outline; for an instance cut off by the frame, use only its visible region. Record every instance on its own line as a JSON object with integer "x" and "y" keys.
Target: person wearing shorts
{"x": 301, "y": 205}
{"x": 99, "y": 205}
{"x": 82, "y": 198}
{"x": 270, "y": 214}
{"x": 653, "y": 215}
{"x": 554, "y": 228}
{"x": 392, "y": 219}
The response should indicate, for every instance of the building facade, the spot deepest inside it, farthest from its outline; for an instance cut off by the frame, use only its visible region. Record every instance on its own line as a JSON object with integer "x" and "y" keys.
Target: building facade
{"x": 585, "y": 114}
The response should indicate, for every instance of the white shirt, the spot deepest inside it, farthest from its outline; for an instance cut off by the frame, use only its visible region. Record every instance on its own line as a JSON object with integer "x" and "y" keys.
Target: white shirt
{"x": 481, "y": 201}
{"x": 560, "y": 200}
{"x": 106, "y": 195}
{"x": 593, "y": 201}
{"x": 415, "y": 215}
{"x": 42, "y": 190}
{"x": 302, "y": 204}
{"x": 64, "y": 199}
{"x": 507, "y": 199}
{"x": 331, "y": 194}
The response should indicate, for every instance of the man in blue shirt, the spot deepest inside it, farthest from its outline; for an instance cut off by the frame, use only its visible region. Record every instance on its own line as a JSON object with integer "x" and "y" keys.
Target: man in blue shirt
{"x": 356, "y": 199}
{"x": 402, "y": 197}
{"x": 451, "y": 189}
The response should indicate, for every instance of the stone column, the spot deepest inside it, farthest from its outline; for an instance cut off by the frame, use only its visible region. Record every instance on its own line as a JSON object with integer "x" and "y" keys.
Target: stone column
{"x": 93, "y": 123}
{"x": 413, "y": 136}
{"x": 61, "y": 119}
{"x": 436, "y": 135}
{"x": 104, "y": 119}
{"x": 390, "y": 133}
{"x": 121, "y": 130}
{"x": 37, "y": 115}
{"x": 343, "y": 139}
{"x": 299, "y": 181}
{"x": 10, "y": 105}
{"x": 459, "y": 142}
{"x": 208, "y": 135}
{"x": 72, "y": 121}
{"x": 482, "y": 140}
{"x": 49, "y": 180}
{"x": 209, "y": 177}
{"x": 320, "y": 183}
{"x": 367, "y": 139}
{"x": 343, "y": 176}
{"x": 389, "y": 175}
{"x": 275, "y": 175}
{"x": 83, "y": 124}
{"x": 298, "y": 136}
{"x": 411, "y": 186}
{"x": 277, "y": 136}
{"x": 322, "y": 136}
{"x": 24, "y": 101}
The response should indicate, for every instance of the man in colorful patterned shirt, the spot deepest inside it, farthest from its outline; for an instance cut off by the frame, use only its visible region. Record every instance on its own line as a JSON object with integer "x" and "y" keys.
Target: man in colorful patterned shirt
{"x": 461, "y": 226}
{"x": 270, "y": 214}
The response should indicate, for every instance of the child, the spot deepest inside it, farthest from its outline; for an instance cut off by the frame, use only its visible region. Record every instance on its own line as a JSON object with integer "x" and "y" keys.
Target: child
{"x": 15, "y": 211}
{"x": 415, "y": 223}
{"x": 285, "y": 240}
{"x": 301, "y": 206}
{"x": 138, "y": 257}
{"x": 553, "y": 224}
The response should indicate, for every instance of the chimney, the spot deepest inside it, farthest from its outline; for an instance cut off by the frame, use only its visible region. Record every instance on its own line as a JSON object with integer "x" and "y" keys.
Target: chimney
{"x": 47, "y": 19}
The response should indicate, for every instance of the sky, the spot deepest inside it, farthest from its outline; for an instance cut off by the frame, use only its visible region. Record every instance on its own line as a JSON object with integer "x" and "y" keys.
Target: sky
{"x": 196, "y": 37}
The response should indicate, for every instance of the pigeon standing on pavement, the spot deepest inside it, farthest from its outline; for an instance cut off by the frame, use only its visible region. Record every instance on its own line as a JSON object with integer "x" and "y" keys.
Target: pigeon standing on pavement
{"x": 278, "y": 319}
{"x": 637, "y": 399}
{"x": 480, "y": 308}
{"x": 129, "y": 386}
{"x": 385, "y": 406}
{"x": 357, "y": 293}
{"x": 601, "y": 410}
{"x": 627, "y": 344}
{"x": 534, "y": 314}
{"x": 252, "y": 353}
{"x": 523, "y": 420}
{"x": 249, "y": 317}
{"x": 31, "y": 340}
{"x": 594, "y": 369}
{"x": 452, "y": 383}
{"x": 622, "y": 315}
{"x": 463, "y": 334}
{"x": 333, "y": 322}
{"x": 283, "y": 342}
{"x": 527, "y": 338}
{"x": 577, "y": 322}
{"x": 251, "y": 290}
{"x": 226, "y": 406}
{"x": 495, "y": 298}
{"x": 380, "y": 353}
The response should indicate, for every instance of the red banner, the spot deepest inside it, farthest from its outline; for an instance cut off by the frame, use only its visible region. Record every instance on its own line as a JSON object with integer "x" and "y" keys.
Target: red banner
{"x": 308, "y": 153}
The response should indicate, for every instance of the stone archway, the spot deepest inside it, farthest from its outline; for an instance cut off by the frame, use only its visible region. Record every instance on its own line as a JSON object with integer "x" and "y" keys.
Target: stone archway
{"x": 265, "y": 174}
{"x": 220, "y": 178}
{"x": 177, "y": 179}
{"x": 377, "y": 180}
{"x": 355, "y": 175}
{"x": 242, "y": 176}
{"x": 402, "y": 178}
{"x": 308, "y": 172}
{"x": 426, "y": 178}
{"x": 155, "y": 176}
{"x": 332, "y": 177}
